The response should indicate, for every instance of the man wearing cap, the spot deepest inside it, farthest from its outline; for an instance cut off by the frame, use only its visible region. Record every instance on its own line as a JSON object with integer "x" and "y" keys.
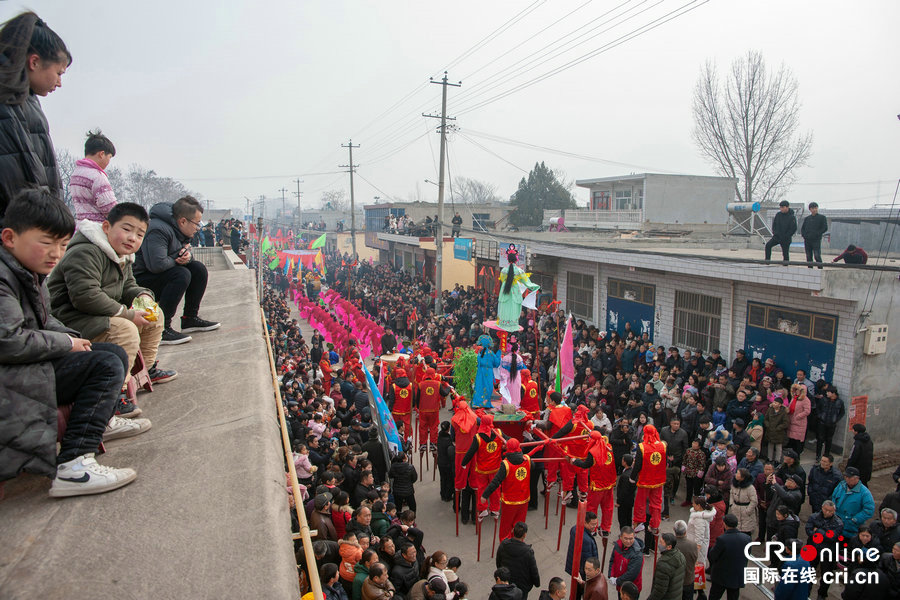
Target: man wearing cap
{"x": 791, "y": 466}
{"x": 853, "y": 501}
{"x": 813, "y": 228}
{"x": 321, "y": 518}
{"x": 784, "y": 226}
{"x": 514, "y": 480}
{"x": 727, "y": 561}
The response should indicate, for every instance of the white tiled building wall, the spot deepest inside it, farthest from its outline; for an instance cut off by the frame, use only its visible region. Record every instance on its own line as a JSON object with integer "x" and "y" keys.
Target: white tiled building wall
{"x": 763, "y": 287}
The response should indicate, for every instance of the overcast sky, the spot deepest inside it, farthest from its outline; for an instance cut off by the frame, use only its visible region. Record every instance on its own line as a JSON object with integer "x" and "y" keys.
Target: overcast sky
{"x": 238, "y": 99}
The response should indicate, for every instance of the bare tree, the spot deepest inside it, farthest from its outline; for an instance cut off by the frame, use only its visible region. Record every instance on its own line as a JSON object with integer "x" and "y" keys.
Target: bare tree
{"x": 66, "y": 163}
{"x": 473, "y": 191}
{"x": 335, "y": 200}
{"x": 747, "y": 126}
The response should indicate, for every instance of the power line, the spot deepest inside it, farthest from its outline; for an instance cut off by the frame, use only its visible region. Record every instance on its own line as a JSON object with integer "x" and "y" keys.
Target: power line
{"x": 253, "y": 177}
{"x": 504, "y": 140}
{"x": 491, "y": 152}
{"x": 684, "y": 9}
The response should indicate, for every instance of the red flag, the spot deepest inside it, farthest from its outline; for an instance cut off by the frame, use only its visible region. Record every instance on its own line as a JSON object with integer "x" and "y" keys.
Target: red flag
{"x": 278, "y": 234}
{"x": 413, "y": 316}
{"x": 481, "y": 272}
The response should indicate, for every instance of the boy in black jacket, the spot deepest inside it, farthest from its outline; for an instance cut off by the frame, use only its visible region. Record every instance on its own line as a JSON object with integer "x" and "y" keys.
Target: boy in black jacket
{"x": 625, "y": 491}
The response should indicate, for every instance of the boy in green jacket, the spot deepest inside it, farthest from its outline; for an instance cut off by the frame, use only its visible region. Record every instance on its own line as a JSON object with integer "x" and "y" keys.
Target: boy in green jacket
{"x": 92, "y": 290}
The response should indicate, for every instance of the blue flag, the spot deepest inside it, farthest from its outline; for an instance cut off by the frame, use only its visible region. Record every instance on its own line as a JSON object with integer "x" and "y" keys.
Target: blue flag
{"x": 387, "y": 429}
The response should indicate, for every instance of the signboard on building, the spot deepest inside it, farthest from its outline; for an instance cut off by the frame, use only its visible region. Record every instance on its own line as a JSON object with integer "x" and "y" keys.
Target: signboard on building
{"x": 857, "y": 411}
{"x": 462, "y": 249}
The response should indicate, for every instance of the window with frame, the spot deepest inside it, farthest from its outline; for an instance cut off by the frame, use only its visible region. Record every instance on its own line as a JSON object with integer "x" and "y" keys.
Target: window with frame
{"x": 580, "y": 295}
{"x": 820, "y": 328}
{"x": 633, "y": 291}
{"x": 698, "y": 321}
{"x": 623, "y": 199}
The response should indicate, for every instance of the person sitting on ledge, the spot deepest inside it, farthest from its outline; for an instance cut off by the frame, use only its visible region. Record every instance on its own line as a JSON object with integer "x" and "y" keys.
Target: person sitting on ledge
{"x": 164, "y": 265}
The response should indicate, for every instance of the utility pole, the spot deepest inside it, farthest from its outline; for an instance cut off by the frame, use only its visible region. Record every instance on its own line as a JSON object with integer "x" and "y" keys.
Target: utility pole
{"x": 283, "y": 209}
{"x": 439, "y": 226}
{"x": 298, "y": 181}
{"x": 351, "y": 166}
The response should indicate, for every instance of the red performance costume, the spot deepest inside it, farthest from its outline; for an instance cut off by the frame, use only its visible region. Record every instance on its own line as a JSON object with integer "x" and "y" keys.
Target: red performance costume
{"x": 429, "y": 406}
{"x": 531, "y": 403}
{"x": 580, "y": 424}
{"x": 649, "y": 472}
{"x": 325, "y": 365}
{"x": 486, "y": 449}
{"x": 464, "y": 424}
{"x": 514, "y": 481}
{"x": 402, "y": 393}
{"x": 560, "y": 415}
{"x": 602, "y": 475}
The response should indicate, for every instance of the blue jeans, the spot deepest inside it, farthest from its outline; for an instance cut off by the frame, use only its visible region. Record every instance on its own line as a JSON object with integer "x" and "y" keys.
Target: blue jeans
{"x": 90, "y": 382}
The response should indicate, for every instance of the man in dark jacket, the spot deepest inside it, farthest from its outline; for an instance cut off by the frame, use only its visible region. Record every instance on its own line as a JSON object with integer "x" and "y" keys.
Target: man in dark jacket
{"x": 787, "y": 495}
{"x": 862, "y": 454}
{"x": 886, "y": 532}
{"x": 588, "y": 544}
{"x": 823, "y": 478}
{"x": 406, "y": 570}
{"x": 689, "y": 550}
{"x": 829, "y": 411}
{"x": 784, "y": 226}
{"x": 627, "y": 560}
{"x": 164, "y": 265}
{"x": 813, "y": 228}
{"x": 668, "y": 579}
{"x": 517, "y": 556}
{"x": 502, "y": 588}
{"x": 727, "y": 561}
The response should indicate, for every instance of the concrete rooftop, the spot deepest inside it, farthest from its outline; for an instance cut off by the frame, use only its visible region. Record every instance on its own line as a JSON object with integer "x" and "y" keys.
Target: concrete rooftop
{"x": 207, "y": 516}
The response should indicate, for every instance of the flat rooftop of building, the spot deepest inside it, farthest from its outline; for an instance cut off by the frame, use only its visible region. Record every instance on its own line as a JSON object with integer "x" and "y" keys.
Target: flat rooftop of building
{"x": 207, "y": 516}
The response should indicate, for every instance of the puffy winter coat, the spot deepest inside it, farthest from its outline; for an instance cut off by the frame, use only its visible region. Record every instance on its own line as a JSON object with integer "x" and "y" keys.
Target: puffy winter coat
{"x": 862, "y": 455}
{"x": 404, "y": 476}
{"x": 91, "y": 284}
{"x": 784, "y": 225}
{"x": 698, "y": 530}
{"x": 744, "y": 505}
{"x": 27, "y": 157}
{"x": 821, "y": 484}
{"x": 29, "y": 339}
{"x": 798, "y": 418}
{"x": 162, "y": 243}
{"x": 853, "y": 505}
{"x": 668, "y": 579}
{"x": 776, "y": 425}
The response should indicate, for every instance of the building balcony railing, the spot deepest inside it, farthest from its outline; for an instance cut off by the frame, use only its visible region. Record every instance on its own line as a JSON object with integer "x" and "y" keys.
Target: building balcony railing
{"x": 597, "y": 219}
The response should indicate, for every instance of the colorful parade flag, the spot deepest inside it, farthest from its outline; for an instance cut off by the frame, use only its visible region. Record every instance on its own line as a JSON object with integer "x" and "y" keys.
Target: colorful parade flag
{"x": 566, "y": 359}
{"x": 318, "y": 242}
{"x": 387, "y": 429}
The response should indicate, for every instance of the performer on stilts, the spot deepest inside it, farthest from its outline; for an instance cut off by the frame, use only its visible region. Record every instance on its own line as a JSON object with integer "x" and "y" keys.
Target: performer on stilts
{"x": 514, "y": 480}
{"x": 429, "y": 405}
{"x": 558, "y": 416}
{"x": 465, "y": 426}
{"x": 649, "y": 474}
{"x": 400, "y": 399}
{"x": 580, "y": 424}
{"x": 601, "y": 466}
{"x": 487, "y": 450}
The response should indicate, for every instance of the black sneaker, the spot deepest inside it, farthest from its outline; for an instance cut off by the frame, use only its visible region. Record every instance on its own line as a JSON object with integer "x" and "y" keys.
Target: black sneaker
{"x": 170, "y": 337}
{"x": 189, "y": 324}
{"x": 127, "y": 409}
{"x": 158, "y": 375}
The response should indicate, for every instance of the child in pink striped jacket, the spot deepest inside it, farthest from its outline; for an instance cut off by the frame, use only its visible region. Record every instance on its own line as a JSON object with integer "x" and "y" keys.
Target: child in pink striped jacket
{"x": 89, "y": 186}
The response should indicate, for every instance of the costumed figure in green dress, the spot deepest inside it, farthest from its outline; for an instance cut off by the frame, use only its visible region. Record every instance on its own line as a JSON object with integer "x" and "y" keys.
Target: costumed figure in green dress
{"x": 513, "y": 283}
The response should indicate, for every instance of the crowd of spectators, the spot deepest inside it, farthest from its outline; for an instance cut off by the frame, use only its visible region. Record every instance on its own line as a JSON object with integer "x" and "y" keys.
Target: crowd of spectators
{"x": 77, "y": 309}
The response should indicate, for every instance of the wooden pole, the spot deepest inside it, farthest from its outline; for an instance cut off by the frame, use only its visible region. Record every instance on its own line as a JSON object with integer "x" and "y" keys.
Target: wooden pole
{"x": 576, "y": 551}
{"x": 494, "y": 542}
{"x": 562, "y": 519}
{"x": 456, "y": 495}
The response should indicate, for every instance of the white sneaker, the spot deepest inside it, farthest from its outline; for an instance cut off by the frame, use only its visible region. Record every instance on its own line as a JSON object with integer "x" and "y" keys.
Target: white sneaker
{"x": 639, "y": 528}
{"x": 123, "y": 428}
{"x": 84, "y": 475}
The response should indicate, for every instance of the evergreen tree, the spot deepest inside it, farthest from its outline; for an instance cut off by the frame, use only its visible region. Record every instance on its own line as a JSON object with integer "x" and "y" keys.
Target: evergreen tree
{"x": 542, "y": 190}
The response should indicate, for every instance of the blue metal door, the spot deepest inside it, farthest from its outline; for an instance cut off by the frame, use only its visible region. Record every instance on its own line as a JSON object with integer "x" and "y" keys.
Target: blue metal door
{"x": 620, "y": 311}
{"x": 794, "y": 339}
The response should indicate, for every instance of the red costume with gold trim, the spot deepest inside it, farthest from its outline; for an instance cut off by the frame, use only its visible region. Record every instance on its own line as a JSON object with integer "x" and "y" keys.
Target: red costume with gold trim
{"x": 531, "y": 401}
{"x": 486, "y": 450}
{"x": 464, "y": 424}
{"x": 402, "y": 408}
{"x": 429, "y": 407}
{"x": 560, "y": 415}
{"x": 514, "y": 482}
{"x": 581, "y": 425}
{"x": 650, "y": 464}
{"x": 602, "y": 478}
